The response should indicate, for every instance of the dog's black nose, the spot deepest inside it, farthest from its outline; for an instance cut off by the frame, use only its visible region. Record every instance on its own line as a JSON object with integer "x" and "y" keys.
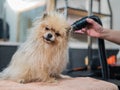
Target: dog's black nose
{"x": 49, "y": 35}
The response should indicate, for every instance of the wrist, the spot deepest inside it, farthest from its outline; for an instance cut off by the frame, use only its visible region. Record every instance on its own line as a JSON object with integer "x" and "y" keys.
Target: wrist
{"x": 104, "y": 33}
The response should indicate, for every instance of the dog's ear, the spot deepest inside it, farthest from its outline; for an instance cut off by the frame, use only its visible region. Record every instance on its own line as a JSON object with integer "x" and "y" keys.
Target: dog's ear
{"x": 45, "y": 14}
{"x": 68, "y": 28}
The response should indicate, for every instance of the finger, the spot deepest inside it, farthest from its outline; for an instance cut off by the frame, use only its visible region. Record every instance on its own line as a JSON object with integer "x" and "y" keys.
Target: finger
{"x": 80, "y": 32}
{"x": 91, "y": 21}
{"x": 84, "y": 29}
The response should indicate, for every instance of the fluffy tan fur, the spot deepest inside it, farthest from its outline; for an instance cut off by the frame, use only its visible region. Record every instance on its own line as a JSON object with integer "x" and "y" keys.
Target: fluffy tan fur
{"x": 39, "y": 59}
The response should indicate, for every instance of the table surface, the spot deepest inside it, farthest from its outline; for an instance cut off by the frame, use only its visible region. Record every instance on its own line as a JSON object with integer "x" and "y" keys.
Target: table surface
{"x": 80, "y": 83}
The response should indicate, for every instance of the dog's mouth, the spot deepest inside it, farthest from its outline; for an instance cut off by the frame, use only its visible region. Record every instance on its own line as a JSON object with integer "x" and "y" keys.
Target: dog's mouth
{"x": 49, "y": 38}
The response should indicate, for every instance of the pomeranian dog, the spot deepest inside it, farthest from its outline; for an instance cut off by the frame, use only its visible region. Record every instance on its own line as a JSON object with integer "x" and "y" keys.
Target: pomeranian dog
{"x": 43, "y": 56}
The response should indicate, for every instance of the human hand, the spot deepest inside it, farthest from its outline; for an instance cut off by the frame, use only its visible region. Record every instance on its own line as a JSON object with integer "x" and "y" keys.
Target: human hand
{"x": 93, "y": 29}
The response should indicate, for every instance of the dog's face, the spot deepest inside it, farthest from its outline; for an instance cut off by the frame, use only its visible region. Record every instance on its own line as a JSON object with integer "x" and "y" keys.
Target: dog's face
{"x": 53, "y": 28}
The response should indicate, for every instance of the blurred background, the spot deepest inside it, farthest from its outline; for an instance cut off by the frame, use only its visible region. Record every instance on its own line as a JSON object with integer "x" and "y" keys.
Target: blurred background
{"x": 17, "y": 16}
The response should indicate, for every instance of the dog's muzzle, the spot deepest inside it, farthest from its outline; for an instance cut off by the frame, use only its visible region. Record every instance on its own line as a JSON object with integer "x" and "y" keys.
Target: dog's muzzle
{"x": 49, "y": 37}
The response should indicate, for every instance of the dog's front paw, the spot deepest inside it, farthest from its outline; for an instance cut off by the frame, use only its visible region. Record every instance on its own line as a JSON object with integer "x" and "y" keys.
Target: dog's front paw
{"x": 51, "y": 80}
{"x": 22, "y": 81}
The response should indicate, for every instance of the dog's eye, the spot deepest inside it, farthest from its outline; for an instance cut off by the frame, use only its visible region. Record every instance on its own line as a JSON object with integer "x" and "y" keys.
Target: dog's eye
{"x": 46, "y": 28}
{"x": 57, "y": 34}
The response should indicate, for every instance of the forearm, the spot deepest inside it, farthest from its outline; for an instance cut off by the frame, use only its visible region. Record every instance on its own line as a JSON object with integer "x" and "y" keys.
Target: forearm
{"x": 111, "y": 35}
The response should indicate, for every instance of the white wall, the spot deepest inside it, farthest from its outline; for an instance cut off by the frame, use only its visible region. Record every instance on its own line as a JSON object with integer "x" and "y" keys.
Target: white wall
{"x": 1, "y": 7}
{"x": 116, "y": 13}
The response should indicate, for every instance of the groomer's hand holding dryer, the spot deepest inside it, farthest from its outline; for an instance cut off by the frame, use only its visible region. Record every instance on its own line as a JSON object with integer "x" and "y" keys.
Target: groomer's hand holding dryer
{"x": 94, "y": 29}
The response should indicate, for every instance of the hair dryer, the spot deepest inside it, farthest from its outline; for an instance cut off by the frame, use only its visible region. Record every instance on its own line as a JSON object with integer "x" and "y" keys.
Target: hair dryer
{"x": 101, "y": 46}
{"x": 83, "y": 23}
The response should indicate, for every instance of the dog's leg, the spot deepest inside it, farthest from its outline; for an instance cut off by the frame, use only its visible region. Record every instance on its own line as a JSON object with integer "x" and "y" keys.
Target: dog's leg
{"x": 46, "y": 77}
